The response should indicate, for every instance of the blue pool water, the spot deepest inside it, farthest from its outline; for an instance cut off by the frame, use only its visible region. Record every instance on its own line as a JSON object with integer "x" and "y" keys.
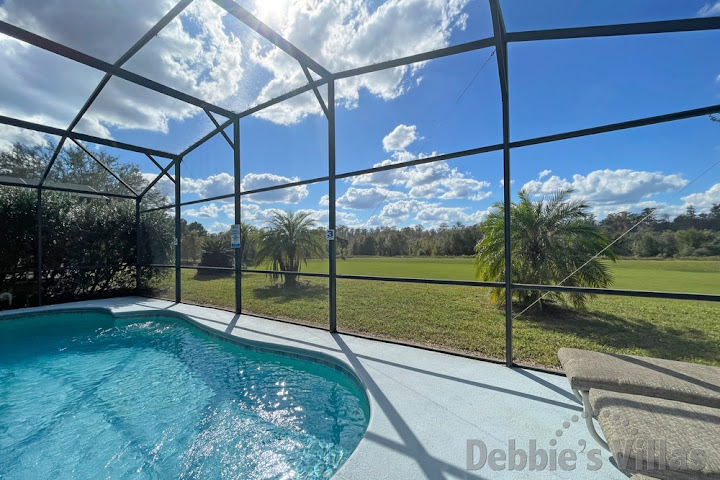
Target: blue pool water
{"x": 85, "y": 395}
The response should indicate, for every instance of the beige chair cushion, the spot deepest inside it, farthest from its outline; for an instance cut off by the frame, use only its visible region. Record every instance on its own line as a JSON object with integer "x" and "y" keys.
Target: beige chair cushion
{"x": 653, "y": 377}
{"x": 659, "y": 438}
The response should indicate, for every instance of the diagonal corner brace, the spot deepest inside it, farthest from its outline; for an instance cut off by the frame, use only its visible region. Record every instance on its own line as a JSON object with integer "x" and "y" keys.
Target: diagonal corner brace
{"x": 220, "y": 129}
{"x": 315, "y": 89}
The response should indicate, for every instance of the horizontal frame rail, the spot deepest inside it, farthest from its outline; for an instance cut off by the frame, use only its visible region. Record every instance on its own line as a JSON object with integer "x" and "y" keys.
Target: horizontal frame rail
{"x": 156, "y": 209}
{"x": 36, "y": 127}
{"x": 283, "y": 272}
{"x": 618, "y": 292}
{"x": 86, "y": 193}
{"x": 419, "y": 57}
{"x": 614, "y": 127}
{"x": 640, "y": 28}
{"x": 430, "y": 281}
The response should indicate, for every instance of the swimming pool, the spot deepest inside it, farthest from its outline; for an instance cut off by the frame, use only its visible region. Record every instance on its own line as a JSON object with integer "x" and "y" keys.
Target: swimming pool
{"x": 88, "y": 395}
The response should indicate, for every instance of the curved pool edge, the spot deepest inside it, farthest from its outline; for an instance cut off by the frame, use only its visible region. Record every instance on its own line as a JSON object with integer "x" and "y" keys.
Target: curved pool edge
{"x": 318, "y": 357}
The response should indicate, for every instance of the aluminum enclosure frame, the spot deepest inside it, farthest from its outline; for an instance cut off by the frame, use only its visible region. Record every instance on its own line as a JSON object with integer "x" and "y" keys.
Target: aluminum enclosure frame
{"x": 499, "y": 41}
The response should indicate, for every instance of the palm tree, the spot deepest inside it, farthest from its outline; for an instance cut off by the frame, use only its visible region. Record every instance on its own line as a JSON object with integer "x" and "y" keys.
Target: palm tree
{"x": 216, "y": 252}
{"x": 288, "y": 242}
{"x": 550, "y": 241}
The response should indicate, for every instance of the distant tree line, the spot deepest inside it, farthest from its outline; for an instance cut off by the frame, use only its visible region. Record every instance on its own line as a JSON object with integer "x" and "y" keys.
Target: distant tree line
{"x": 690, "y": 234}
{"x": 455, "y": 240}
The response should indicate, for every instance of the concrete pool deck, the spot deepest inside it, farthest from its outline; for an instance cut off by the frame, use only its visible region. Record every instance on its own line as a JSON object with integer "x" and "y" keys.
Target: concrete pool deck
{"x": 426, "y": 406}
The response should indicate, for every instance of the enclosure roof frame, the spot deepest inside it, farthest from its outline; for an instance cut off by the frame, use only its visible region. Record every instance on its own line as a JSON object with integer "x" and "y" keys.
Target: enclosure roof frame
{"x": 500, "y": 37}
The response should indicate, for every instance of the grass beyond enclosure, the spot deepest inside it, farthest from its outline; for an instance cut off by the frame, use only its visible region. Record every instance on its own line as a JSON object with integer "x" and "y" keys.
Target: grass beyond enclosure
{"x": 693, "y": 276}
{"x": 464, "y": 319}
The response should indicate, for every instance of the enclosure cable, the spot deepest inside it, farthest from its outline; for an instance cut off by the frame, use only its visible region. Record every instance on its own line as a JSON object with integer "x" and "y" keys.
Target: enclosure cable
{"x": 616, "y": 240}
{"x": 432, "y": 132}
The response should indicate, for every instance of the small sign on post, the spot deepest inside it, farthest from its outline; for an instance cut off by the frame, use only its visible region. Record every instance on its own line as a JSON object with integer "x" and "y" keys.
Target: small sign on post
{"x": 330, "y": 235}
{"x": 235, "y": 236}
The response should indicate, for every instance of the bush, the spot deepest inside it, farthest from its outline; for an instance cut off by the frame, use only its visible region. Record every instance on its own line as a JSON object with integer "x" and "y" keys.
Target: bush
{"x": 89, "y": 246}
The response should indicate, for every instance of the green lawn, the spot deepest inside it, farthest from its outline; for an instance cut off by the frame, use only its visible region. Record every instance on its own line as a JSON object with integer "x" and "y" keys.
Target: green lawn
{"x": 464, "y": 318}
{"x": 694, "y": 276}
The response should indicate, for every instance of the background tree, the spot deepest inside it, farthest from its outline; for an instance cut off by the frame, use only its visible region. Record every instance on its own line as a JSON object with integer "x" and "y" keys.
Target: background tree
{"x": 193, "y": 236}
{"x": 288, "y": 242}
{"x": 550, "y": 240}
{"x": 248, "y": 244}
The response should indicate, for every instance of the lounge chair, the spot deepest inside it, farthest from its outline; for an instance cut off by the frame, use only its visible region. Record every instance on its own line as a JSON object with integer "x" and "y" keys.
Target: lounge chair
{"x": 653, "y": 377}
{"x": 659, "y": 438}
{"x": 636, "y": 399}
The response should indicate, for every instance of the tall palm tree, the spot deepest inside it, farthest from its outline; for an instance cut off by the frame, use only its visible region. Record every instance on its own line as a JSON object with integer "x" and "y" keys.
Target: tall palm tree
{"x": 288, "y": 242}
{"x": 550, "y": 240}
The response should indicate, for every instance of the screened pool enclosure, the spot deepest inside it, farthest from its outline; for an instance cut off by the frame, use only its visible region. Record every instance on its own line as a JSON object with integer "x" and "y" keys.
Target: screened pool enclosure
{"x": 268, "y": 110}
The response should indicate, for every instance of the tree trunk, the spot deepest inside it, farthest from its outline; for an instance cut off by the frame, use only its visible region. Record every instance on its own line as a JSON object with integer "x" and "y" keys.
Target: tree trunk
{"x": 290, "y": 279}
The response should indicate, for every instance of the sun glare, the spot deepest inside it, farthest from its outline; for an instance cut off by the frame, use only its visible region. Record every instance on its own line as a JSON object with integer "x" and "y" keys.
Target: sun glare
{"x": 271, "y": 11}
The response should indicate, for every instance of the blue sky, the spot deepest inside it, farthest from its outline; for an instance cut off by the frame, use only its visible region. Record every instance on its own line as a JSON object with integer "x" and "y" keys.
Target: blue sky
{"x": 399, "y": 114}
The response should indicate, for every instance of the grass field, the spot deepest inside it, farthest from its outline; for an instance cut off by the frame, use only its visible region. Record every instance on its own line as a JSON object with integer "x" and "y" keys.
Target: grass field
{"x": 464, "y": 319}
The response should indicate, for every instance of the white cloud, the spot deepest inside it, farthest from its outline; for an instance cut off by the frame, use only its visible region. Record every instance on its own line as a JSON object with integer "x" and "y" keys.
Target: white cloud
{"x": 544, "y": 174}
{"x": 164, "y": 186}
{"x": 228, "y": 210}
{"x": 218, "y": 227}
{"x": 11, "y": 135}
{"x": 91, "y": 30}
{"x": 402, "y": 209}
{"x": 206, "y": 211}
{"x": 195, "y": 54}
{"x": 348, "y": 219}
{"x": 428, "y": 214}
{"x": 257, "y": 215}
{"x": 660, "y": 208}
{"x": 705, "y": 199}
{"x": 320, "y": 216}
{"x": 709, "y": 10}
{"x": 400, "y": 138}
{"x": 363, "y": 198}
{"x": 387, "y": 177}
{"x": 610, "y": 187}
{"x": 344, "y": 34}
{"x": 438, "y": 180}
{"x": 461, "y": 188}
{"x": 433, "y": 216}
{"x": 430, "y": 180}
{"x": 204, "y": 54}
{"x": 253, "y": 181}
{"x": 223, "y": 184}
{"x": 212, "y": 186}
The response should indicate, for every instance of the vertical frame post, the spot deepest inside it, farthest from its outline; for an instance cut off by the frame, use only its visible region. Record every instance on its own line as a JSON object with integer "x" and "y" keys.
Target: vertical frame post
{"x": 39, "y": 246}
{"x": 332, "y": 251}
{"x": 502, "y": 59}
{"x": 178, "y": 233}
{"x": 238, "y": 216}
{"x": 138, "y": 241}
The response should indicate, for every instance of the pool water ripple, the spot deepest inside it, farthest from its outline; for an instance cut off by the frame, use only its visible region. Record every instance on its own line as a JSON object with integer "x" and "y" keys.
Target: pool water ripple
{"x": 85, "y": 395}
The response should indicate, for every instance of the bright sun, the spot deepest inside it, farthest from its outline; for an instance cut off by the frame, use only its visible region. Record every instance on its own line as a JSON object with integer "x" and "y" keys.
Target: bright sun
{"x": 272, "y": 10}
